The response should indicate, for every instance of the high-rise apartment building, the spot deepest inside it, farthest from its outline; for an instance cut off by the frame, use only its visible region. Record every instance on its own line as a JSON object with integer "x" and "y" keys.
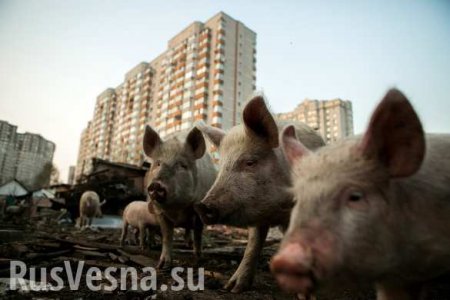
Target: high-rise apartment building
{"x": 333, "y": 119}
{"x": 23, "y": 156}
{"x": 102, "y": 124}
{"x": 134, "y": 100}
{"x": 71, "y": 175}
{"x": 84, "y": 152}
{"x": 8, "y": 152}
{"x": 207, "y": 73}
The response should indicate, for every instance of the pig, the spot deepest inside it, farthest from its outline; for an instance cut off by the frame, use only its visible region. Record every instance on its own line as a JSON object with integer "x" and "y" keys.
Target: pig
{"x": 374, "y": 208}
{"x": 181, "y": 173}
{"x": 138, "y": 216}
{"x": 251, "y": 188}
{"x": 90, "y": 207}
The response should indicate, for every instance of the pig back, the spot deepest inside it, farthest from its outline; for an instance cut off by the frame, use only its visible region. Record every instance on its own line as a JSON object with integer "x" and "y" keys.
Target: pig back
{"x": 89, "y": 203}
{"x": 308, "y": 136}
{"x": 420, "y": 205}
{"x": 432, "y": 181}
{"x": 137, "y": 213}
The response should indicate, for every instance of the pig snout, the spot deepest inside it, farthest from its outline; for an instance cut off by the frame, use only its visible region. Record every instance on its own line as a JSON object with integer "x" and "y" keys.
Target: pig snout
{"x": 292, "y": 267}
{"x": 157, "y": 191}
{"x": 207, "y": 213}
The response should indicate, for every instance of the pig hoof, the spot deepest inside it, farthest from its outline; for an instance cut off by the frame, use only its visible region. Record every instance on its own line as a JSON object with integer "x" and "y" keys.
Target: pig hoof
{"x": 160, "y": 264}
{"x": 164, "y": 264}
{"x": 300, "y": 297}
{"x": 238, "y": 284}
{"x": 305, "y": 297}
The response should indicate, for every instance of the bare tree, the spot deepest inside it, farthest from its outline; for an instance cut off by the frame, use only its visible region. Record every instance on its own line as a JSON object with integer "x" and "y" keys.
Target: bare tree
{"x": 43, "y": 178}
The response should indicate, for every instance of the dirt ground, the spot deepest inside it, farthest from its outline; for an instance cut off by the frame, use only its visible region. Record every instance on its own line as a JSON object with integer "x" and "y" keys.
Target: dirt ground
{"x": 50, "y": 246}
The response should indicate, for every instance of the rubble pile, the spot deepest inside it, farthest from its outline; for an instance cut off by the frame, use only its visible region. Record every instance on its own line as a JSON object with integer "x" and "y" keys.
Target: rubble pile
{"x": 52, "y": 246}
{"x": 48, "y": 245}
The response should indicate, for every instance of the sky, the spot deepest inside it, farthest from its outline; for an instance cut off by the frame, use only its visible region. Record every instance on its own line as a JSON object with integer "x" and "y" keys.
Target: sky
{"x": 57, "y": 56}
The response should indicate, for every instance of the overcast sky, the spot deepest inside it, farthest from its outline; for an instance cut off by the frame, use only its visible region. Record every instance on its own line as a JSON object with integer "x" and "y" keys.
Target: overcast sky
{"x": 57, "y": 56}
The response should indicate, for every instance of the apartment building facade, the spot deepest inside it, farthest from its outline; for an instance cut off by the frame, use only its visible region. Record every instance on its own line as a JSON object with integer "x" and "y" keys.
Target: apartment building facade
{"x": 333, "y": 119}
{"x": 102, "y": 124}
{"x": 134, "y": 106}
{"x": 207, "y": 73}
{"x": 71, "y": 175}
{"x": 23, "y": 156}
{"x": 83, "y": 165}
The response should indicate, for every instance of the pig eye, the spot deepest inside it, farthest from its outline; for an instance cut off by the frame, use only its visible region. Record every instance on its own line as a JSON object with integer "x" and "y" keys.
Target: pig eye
{"x": 182, "y": 165}
{"x": 158, "y": 163}
{"x": 355, "y": 196}
{"x": 250, "y": 162}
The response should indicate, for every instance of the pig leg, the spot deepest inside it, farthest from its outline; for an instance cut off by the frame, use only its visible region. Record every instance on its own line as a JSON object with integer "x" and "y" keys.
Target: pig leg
{"x": 151, "y": 242}
{"x": 242, "y": 279}
{"x": 82, "y": 221}
{"x": 385, "y": 292}
{"x": 141, "y": 236}
{"x": 151, "y": 237}
{"x": 188, "y": 237}
{"x": 135, "y": 235}
{"x": 167, "y": 239}
{"x": 124, "y": 233}
{"x": 198, "y": 229}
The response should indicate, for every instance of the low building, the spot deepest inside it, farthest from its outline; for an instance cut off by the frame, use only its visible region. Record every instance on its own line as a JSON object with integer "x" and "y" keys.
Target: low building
{"x": 13, "y": 188}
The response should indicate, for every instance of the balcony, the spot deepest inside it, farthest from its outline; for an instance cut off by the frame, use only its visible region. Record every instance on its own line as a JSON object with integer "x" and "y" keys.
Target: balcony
{"x": 200, "y": 106}
{"x": 201, "y": 96}
{"x": 217, "y": 108}
{"x": 217, "y": 102}
{"x": 203, "y": 85}
{"x": 200, "y": 117}
{"x": 218, "y": 82}
{"x": 219, "y": 51}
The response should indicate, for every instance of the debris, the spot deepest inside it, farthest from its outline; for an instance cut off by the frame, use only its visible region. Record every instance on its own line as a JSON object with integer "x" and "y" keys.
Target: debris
{"x": 51, "y": 246}
{"x": 47, "y": 254}
{"x": 91, "y": 253}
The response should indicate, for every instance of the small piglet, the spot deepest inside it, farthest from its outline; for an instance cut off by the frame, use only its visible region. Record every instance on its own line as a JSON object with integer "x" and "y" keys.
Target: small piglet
{"x": 375, "y": 208}
{"x": 90, "y": 207}
{"x": 251, "y": 189}
{"x": 137, "y": 215}
{"x": 180, "y": 175}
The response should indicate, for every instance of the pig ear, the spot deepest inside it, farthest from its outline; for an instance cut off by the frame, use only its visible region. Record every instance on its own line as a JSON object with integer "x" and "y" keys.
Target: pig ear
{"x": 395, "y": 136}
{"x": 214, "y": 134}
{"x": 151, "y": 141}
{"x": 196, "y": 143}
{"x": 292, "y": 147}
{"x": 259, "y": 121}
